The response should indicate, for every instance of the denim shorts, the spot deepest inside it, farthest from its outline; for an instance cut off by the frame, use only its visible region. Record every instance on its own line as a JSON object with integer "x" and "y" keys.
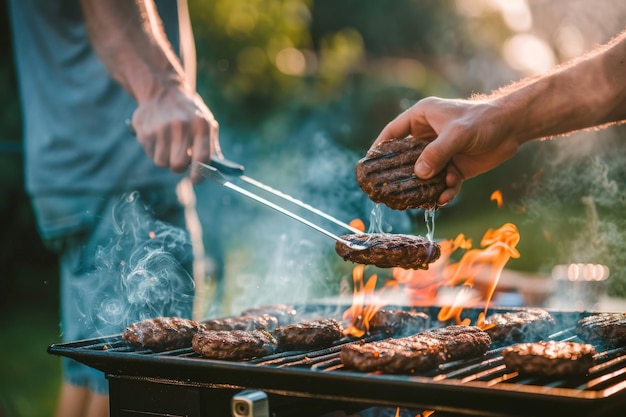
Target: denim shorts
{"x": 123, "y": 258}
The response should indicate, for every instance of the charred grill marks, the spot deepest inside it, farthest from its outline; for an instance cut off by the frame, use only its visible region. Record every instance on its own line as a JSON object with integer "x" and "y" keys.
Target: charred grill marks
{"x": 520, "y": 326}
{"x": 401, "y": 172}
{"x": 416, "y": 353}
{"x": 247, "y": 322}
{"x": 387, "y": 250}
{"x": 398, "y": 322}
{"x": 550, "y": 358}
{"x": 462, "y": 341}
{"x": 285, "y": 314}
{"x": 607, "y": 328}
{"x": 308, "y": 334}
{"x": 161, "y": 333}
{"x": 233, "y": 344}
{"x": 386, "y": 175}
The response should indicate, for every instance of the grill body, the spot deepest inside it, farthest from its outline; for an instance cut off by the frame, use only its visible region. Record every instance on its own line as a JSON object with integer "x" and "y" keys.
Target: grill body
{"x": 180, "y": 382}
{"x": 138, "y": 396}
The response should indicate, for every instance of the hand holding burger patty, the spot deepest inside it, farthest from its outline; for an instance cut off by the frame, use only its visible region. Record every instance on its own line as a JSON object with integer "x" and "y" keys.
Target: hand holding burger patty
{"x": 386, "y": 175}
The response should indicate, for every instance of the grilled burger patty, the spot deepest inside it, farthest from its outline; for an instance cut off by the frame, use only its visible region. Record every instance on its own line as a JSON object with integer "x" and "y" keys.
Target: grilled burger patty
{"x": 248, "y": 322}
{"x": 308, "y": 334}
{"x": 285, "y": 314}
{"x": 233, "y": 344}
{"x": 398, "y": 322}
{"x": 394, "y": 356}
{"x": 549, "y": 358}
{"x": 607, "y": 328}
{"x": 417, "y": 353}
{"x": 161, "y": 333}
{"x": 387, "y": 250}
{"x": 462, "y": 341}
{"x": 386, "y": 175}
{"x": 520, "y": 326}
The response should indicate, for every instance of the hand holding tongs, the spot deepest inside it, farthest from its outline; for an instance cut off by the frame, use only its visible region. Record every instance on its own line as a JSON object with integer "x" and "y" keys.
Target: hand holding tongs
{"x": 218, "y": 169}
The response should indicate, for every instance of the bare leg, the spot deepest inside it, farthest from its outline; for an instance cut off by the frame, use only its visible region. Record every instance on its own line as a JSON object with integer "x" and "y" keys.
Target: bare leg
{"x": 77, "y": 401}
{"x": 98, "y": 405}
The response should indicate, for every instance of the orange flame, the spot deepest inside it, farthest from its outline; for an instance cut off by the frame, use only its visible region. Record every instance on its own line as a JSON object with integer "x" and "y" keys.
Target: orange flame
{"x": 365, "y": 302}
{"x": 499, "y": 247}
{"x": 422, "y": 287}
{"x": 360, "y": 310}
{"x": 497, "y": 197}
{"x": 358, "y": 224}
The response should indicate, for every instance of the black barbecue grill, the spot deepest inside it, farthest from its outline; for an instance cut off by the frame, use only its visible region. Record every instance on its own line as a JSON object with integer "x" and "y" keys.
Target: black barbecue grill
{"x": 181, "y": 383}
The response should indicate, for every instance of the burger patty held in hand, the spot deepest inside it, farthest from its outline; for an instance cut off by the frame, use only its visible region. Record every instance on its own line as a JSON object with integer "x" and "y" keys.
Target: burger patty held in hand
{"x": 607, "y": 328}
{"x": 161, "y": 333}
{"x": 527, "y": 325}
{"x": 308, "y": 334}
{"x": 233, "y": 344}
{"x": 550, "y": 358}
{"x": 247, "y": 322}
{"x": 386, "y": 175}
{"x": 387, "y": 250}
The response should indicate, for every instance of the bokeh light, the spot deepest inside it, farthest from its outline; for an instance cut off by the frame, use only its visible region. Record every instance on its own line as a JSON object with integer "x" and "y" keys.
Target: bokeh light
{"x": 529, "y": 54}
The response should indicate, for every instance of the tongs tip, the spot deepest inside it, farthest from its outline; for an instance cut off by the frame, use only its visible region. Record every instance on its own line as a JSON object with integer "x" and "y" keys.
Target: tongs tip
{"x": 356, "y": 246}
{"x": 352, "y": 244}
{"x": 214, "y": 173}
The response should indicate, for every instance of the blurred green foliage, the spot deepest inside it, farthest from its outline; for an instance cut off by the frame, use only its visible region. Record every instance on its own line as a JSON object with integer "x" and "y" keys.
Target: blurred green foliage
{"x": 266, "y": 60}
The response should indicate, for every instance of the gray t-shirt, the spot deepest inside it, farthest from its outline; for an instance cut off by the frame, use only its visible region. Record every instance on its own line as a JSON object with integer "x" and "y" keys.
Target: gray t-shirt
{"x": 74, "y": 113}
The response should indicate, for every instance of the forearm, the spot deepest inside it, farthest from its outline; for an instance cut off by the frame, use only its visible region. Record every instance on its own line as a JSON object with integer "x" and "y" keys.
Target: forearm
{"x": 586, "y": 93}
{"x": 129, "y": 40}
{"x": 171, "y": 121}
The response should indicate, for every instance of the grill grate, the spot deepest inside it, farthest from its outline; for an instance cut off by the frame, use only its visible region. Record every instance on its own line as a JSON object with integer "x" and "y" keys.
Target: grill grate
{"x": 478, "y": 386}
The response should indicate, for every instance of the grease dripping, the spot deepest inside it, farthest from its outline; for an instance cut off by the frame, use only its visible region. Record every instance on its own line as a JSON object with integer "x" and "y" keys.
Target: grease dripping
{"x": 429, "y": 219}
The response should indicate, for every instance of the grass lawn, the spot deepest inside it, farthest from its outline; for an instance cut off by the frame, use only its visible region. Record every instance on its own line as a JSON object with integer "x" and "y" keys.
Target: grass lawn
{"x": 29, "y": 376}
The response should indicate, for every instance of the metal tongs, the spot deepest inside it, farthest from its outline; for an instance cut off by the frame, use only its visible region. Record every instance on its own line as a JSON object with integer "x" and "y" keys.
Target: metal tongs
{"x": 218, "y": 170}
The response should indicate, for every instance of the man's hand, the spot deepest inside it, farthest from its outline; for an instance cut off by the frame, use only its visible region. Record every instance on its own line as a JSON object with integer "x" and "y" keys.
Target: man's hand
{"x": 461, "y": 132}
{"x": 176, "y": 128}
{"x": 172, "y": 122}
{"x": 477, "y": 135}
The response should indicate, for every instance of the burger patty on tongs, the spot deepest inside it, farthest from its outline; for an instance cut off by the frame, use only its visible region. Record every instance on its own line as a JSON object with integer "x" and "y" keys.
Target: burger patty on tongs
{"x": 387, "y": 250}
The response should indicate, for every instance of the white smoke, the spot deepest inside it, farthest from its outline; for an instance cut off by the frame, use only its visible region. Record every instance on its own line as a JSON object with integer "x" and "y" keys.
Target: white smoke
{"x": 274, "y": 259}
{"x": 141, "y": 273}
{"x": 580, "y": 199}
